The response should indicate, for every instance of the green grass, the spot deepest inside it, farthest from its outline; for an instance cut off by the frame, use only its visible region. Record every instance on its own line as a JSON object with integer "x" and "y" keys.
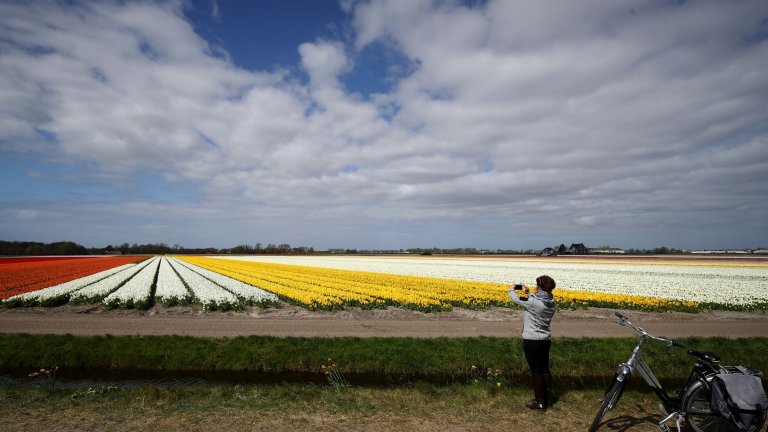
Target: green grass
{"x": 488, "y": 396}
{"x": 579, "y": 361}
{"x": 313, "y": 408}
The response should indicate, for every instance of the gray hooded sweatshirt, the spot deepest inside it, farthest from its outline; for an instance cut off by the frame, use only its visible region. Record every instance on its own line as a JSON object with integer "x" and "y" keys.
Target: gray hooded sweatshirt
{"x": 539, "y": 310}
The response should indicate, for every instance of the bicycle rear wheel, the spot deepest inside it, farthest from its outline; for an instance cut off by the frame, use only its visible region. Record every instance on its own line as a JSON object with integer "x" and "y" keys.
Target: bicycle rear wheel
{"x": 700, "y": 416}
{"x": 610, "y": 399}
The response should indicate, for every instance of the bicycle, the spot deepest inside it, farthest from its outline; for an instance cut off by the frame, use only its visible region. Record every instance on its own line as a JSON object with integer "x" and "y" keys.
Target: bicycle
{"x": 690, "y": 403}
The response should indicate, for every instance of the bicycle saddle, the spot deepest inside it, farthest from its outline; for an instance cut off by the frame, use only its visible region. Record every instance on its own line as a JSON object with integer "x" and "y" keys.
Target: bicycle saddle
{"x": 705, "y": 355}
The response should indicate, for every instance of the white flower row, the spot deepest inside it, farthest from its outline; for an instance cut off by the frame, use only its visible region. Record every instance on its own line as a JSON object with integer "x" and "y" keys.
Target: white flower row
{"x": 247, "y": 294}
{"x": 104, "y": 287}
{"x": 137, "y": 291}
{"x": 210, "y": 295}
{"x": 170, "y": 289}
{"x": 714, "y": 283}
{"x": 59, "y": 294}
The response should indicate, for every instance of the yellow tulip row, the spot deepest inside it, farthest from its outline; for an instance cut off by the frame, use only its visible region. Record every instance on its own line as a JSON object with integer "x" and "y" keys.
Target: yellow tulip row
{"x": 315, "y": 289}
{"x": 322, "y": 288}
{"x": 308, "y": 295}
{"x": 578, "y": 299}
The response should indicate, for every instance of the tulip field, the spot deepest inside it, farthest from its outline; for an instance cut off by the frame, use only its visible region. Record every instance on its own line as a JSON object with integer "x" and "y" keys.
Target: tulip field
{"x": 148, "y": 280}
{"x": 328, "y": 288}
{"x": 21, "y": 275}
{"x": 337, "y": 282}
{"x": 647, "y": 284}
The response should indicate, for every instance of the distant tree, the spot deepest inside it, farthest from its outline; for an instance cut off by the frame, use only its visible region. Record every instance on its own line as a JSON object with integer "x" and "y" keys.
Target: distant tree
{"x": 242, "y": 249}
{"x": 66, "y": 248}
{"x": 34, "y": 249}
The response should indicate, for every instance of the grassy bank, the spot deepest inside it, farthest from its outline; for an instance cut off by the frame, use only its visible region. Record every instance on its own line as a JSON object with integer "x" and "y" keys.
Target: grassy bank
{"x": 448, "y": 359}
{"x": 313, "y": 408}
{"x": 485, "y": 383}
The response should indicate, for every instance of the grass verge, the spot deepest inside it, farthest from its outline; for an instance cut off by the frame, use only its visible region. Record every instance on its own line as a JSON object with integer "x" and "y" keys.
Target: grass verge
{"x": 575, "y": 362}
{"x": 314, "y": 408}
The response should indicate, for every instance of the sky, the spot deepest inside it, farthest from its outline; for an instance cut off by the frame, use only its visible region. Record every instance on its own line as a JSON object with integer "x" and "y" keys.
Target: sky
{"x": 499, "y": 124}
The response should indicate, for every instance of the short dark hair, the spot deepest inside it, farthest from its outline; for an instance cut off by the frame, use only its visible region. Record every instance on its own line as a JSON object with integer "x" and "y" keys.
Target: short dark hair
{"x": 546, "y": 283}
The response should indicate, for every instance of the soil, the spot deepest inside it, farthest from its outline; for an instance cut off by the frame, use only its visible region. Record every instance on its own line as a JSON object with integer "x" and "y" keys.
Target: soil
{"x": 289, "y": 320}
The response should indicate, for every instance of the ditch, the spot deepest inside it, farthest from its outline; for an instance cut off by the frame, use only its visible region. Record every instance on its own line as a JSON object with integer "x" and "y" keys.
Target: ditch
{"x": 122, "y": 378}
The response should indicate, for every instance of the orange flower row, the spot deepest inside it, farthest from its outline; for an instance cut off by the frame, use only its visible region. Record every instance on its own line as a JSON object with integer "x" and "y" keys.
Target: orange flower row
{"x": 32, "y": 275}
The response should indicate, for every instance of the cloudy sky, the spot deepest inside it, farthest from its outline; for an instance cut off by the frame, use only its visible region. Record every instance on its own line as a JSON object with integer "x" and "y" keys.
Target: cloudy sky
{"x": 385, "y": 124}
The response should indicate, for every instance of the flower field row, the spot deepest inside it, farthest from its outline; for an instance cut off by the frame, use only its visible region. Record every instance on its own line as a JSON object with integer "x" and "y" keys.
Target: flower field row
{"x": 136, "y": 292}
{"x": 326, "y": 288}
{"x": 684, "y": 285}
{"x": 21, "y": 275}
{"x": 164, "y": 280}
{"x": 170, "y": 290}
{"x": 414, "y": 283}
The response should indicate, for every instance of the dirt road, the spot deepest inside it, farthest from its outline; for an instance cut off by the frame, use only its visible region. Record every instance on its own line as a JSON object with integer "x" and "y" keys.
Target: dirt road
{"x": 293, "y": 321}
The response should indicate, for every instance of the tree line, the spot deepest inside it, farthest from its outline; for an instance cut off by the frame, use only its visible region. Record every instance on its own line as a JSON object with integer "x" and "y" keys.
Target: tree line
{"x": 27, "y": 248}
{"x": 270, "y": 248}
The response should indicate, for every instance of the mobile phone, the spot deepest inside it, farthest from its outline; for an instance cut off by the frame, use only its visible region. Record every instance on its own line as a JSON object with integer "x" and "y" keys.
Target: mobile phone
{"x": 518, "y": 287}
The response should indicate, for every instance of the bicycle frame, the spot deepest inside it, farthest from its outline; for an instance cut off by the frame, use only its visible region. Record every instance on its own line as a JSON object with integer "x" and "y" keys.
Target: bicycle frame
{"x": 691, "y": 403}
{"x": 672, "y": 404}
{"x": 637, "y": 363}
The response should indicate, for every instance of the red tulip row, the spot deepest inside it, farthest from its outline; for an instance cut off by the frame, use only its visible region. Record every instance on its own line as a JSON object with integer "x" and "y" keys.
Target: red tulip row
{"x": 33, "y": 274}
{"x": 16, "y": 260}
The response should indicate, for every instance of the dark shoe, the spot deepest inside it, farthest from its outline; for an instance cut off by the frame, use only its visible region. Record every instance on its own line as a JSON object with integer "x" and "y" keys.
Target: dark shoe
{"x": 536, "y": 405}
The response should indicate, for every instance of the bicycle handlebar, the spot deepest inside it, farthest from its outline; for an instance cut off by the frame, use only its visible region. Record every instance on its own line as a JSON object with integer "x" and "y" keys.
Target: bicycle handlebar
{"x": 623, "y": 320}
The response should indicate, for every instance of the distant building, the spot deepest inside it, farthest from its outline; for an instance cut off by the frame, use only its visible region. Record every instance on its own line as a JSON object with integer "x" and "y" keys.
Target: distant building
{"x": 578, "y": 249}
{"x": 723, "y": 251}
{"x": 607, "y": 250}
{"x": 548, "y": 252}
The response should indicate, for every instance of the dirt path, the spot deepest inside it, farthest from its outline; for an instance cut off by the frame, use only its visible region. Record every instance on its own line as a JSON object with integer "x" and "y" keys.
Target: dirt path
{"x": 293, "y": 321}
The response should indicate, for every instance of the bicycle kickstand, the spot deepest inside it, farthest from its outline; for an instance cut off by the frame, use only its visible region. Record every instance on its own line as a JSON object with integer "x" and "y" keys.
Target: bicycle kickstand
{"x": 678, "y": 421}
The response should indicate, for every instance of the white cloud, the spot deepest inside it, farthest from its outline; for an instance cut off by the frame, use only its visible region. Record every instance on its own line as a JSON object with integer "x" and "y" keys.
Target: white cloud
{"x": 325, "y": 62}
{"x": 568, "y": 115}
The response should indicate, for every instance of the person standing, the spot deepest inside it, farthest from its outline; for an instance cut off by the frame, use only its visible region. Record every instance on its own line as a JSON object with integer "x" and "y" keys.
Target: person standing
{"x": 537, "y": 337}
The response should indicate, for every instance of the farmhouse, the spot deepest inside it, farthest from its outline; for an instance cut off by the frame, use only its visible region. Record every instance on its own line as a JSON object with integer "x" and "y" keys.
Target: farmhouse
{"x": 578, "y": 249}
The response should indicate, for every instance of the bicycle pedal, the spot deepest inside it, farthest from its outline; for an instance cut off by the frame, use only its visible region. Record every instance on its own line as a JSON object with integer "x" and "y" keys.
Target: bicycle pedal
{"x": 663, "y": 424}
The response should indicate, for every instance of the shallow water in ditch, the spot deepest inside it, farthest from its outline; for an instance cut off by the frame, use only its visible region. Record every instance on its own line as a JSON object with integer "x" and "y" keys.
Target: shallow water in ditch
{"x": 24, "y": 382}
{"x": 75, "y": 378}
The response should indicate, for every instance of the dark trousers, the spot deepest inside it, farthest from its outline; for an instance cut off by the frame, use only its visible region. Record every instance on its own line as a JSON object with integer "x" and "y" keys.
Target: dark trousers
{"x": 537, "y": 354}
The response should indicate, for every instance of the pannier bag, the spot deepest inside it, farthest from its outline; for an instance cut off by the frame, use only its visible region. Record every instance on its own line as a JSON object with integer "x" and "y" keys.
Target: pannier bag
{"x": 738, "y": 397}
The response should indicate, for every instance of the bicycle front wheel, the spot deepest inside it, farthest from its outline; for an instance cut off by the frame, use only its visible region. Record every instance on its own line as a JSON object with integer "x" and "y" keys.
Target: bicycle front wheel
{"x": 610, "y": 399}
{"x": 700, "y": 416}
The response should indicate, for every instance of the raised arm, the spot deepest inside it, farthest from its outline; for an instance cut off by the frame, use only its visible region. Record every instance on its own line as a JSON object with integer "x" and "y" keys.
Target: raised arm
{"x": 516, "y": 298}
